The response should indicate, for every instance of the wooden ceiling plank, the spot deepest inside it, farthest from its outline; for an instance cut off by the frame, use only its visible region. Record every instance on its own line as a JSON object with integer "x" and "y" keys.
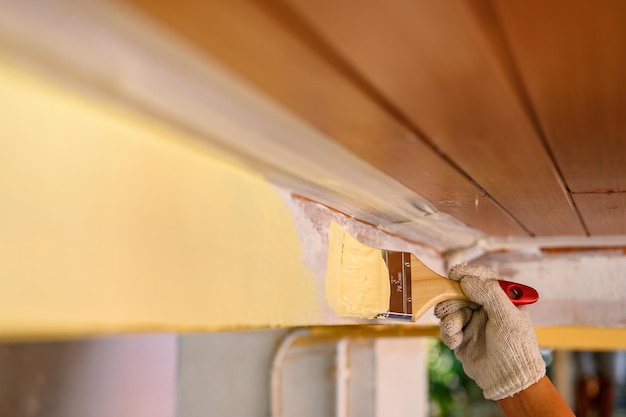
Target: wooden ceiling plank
{"x": 257, "y": 46}
{"x": 604, "y": 213}
{"x": 436, "y": 63}
{"x": 570, "y": 54}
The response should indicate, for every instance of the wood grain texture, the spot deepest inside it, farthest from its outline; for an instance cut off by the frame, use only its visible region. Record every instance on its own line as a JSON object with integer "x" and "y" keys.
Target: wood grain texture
{"x": 570, "y": 54}
{"x": 429, "y": 288}
{"x": 604, "y": 214}
{"x": 441, "y": 66}
{"x": 266, "y": 47}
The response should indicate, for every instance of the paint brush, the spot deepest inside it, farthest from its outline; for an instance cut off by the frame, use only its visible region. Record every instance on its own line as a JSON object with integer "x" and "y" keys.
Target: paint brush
{"x": 366, "y": 282}
{"x": 415, "y": 288}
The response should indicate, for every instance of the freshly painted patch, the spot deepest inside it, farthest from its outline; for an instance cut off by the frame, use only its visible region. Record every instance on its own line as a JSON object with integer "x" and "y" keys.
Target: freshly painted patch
{"x": 357, "y": 278}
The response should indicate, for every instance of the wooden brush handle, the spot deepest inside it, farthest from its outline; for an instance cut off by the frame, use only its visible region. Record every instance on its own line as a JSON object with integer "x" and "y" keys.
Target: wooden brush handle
{"x": 429, "y": 288}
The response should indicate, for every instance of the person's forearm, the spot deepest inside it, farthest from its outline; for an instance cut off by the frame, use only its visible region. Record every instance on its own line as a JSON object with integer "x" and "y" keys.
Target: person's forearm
{"x": 538, "y": 400}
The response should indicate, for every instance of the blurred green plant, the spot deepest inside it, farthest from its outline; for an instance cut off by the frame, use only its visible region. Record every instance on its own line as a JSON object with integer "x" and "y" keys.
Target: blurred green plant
{"x": 452, "y": 393}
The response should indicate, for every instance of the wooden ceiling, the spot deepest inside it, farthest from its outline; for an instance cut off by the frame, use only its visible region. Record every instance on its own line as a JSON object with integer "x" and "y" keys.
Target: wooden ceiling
{"x": 509, "y": 115}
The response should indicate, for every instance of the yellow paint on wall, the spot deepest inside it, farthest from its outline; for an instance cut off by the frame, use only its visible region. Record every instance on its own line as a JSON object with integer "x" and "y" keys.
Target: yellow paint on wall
{"x": 113, "y": 222}
{"x": 582, "y": 337}
{"x": 357, "y": 278}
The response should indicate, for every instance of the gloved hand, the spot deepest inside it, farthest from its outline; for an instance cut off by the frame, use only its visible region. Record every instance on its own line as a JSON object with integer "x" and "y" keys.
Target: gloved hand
{"x": 494, "y": 340}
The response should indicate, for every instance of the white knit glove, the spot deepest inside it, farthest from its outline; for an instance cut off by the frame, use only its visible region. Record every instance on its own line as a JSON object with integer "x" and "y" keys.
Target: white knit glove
{"x": 494, "y": 339}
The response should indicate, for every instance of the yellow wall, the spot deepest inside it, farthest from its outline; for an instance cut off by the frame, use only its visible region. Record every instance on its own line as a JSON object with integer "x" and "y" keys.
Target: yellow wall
{"x": 113, "y": 222}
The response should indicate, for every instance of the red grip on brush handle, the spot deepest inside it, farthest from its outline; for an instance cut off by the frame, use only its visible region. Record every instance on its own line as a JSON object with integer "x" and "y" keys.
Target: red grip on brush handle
{"x": 519, "y": 294}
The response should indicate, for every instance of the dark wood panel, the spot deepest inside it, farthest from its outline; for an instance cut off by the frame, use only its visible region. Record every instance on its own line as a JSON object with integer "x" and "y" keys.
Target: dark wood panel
{"x": 435, "y": 62}
{"x": 264, "y": 46}
{"x": 572, "y": 61}
{"x": 604, "y": 214}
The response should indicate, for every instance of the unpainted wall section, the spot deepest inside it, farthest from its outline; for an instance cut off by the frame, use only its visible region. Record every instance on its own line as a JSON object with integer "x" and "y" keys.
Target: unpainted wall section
{"x": 580, "y": 288}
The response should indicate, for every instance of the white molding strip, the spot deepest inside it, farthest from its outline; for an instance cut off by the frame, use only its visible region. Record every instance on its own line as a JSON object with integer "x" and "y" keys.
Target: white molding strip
{"x": 493, "y": 244}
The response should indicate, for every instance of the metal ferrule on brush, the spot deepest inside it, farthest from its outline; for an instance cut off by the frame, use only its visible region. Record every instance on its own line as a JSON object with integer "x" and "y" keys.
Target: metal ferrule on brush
{"x": 399, "y": 265}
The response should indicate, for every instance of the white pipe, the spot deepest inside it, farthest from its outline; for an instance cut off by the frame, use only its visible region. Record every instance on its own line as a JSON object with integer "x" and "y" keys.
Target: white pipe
{"x": 276, "y": 372}
{"x": 342, "y": 378}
